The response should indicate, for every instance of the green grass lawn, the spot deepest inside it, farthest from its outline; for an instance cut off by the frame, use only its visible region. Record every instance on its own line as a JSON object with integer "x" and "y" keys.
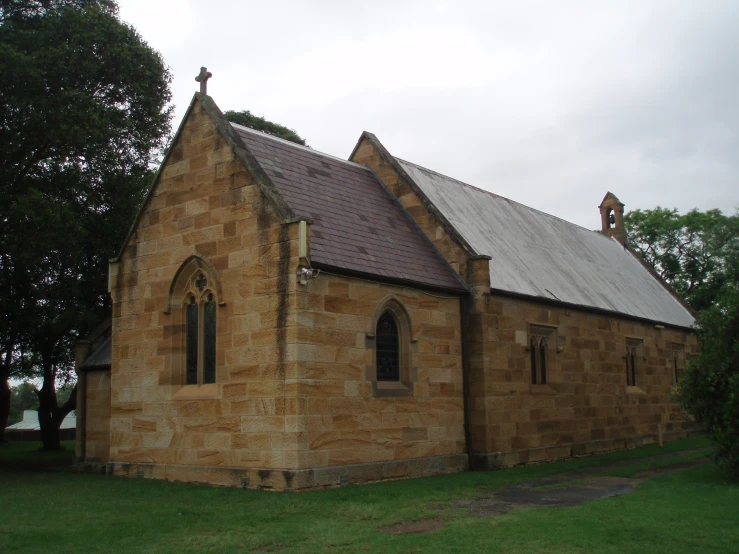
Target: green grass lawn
{"x": 692, "y": 510}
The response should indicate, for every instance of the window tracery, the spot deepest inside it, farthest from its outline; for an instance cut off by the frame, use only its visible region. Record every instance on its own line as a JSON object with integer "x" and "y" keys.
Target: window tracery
{"x": 199, "y": 306}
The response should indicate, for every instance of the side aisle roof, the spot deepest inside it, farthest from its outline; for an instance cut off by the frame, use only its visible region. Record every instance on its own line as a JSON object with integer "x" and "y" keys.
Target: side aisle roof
{"x": 358, "y": 225}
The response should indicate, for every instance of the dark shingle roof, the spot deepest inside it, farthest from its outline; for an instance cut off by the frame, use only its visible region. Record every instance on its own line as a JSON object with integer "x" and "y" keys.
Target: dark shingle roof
{"x": 358, "y": 224}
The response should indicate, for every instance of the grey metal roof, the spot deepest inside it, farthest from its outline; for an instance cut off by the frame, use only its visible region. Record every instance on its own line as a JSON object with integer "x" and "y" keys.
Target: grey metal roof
{"x": 101, "y": 357}
{"x": 539, "y": 255}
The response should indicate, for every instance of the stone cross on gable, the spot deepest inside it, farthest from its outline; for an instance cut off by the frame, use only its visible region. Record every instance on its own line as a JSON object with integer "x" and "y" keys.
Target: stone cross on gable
{"x": 202, "y": 78}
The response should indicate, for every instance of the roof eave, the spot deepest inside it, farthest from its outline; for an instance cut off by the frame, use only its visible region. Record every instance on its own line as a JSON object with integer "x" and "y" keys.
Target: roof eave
{"x": 375, "y": 278}
{"x": 584, "y": 308}
{"x": 660, "y": 280}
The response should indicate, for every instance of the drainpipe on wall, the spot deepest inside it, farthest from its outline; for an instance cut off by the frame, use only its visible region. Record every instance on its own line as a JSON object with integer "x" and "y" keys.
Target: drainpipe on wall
{"x": 464, "y": 317}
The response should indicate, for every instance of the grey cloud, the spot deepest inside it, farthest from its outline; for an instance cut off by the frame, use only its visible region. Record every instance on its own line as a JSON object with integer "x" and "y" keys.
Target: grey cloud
{"x": 550, "y": 104}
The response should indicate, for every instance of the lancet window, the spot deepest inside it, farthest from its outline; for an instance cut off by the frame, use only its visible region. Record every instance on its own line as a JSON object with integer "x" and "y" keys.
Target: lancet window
{"x": 199, "y": 306}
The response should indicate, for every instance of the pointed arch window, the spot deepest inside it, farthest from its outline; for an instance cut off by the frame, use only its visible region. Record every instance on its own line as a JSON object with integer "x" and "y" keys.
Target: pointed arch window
{"x": 538, "y": 352}
{"x": 541, "y": 339}
{"x": 387, "y": 343}
{"x": 195, "y": 296}
{"x": 678, "y": 362}
{"x": 390, "y": 339}
{"x": 200, "y": 331}
{"x": 633, "y": 353}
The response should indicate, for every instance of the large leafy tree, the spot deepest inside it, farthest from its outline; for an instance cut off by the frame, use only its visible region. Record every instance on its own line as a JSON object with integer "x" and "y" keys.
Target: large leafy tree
{"x": 697, "y": 252}
{"x": 709, "y": 389}
{"x": 84, "y": 104}
{"x": 248, "y": 119}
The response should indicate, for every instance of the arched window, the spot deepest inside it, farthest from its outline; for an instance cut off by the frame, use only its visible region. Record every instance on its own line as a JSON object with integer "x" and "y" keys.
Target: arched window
{"x": 678, "y": 357}
{"x": 200, "y": 330}
{"x": 390, "y": 338}
{"x": 538, "y": 352}
{"x": 193, "y": 305}
{"x": 543, "y": 360}
{"x": 387, "y": 345}
{"x": 633, "y": 351}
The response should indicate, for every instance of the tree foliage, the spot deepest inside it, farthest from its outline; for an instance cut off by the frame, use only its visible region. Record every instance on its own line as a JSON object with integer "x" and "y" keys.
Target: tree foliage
{"x": 709, "y": 388}
{"x": 247, "y": 119}
{"x": 697, "y": 253}
{"x": 22, "y": 397}
{"x": 83, "y": 107}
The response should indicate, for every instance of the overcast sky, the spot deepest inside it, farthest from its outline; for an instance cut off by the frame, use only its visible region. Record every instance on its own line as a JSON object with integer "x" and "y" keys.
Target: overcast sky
{"x": 549, "y": 103}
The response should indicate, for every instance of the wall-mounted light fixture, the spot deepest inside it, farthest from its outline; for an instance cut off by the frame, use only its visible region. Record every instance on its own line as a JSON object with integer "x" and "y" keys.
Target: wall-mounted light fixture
{"x": 307, "y": 273}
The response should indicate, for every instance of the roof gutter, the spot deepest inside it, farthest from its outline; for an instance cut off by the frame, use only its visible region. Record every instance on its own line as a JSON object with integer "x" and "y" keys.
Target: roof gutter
{"x": 366, "y": 276}
{"x": 583, "y": 308}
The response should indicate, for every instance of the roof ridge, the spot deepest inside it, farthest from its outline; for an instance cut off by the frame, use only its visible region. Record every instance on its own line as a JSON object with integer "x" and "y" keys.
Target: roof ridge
{"x": 499, "y": 196}
{"x": 294, "y": 144}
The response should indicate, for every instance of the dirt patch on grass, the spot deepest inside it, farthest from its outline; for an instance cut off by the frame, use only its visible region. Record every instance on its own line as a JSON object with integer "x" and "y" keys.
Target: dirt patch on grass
{"x": 413, "y": 527}
{"x": 570, "y": 489}
{"x": 657, "y": 471}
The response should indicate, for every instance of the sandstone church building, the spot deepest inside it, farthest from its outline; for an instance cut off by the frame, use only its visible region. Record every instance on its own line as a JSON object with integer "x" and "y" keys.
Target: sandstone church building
{"x": 286, "y": 319}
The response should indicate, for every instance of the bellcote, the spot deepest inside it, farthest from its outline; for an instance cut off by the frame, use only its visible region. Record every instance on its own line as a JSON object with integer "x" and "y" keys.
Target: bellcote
{"x": 612, "y": 218}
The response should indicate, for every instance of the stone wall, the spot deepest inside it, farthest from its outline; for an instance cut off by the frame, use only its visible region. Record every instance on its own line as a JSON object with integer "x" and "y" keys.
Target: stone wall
{"x": 586, "y": 405}
{"x": 343, "y": 418}
{"x": 205, "y": 204}
{"x": 97, "y": 414}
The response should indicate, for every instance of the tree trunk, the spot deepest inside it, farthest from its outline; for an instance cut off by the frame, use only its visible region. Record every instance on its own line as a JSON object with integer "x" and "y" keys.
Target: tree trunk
{"x": 51, "y": 416}
{"x": 4, "y": 407}
{"x": 46, "y": 408}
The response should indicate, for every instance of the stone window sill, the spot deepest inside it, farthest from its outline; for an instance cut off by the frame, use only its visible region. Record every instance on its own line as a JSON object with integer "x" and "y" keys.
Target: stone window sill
{"x": 391, "y": 389}
{"x": 542, "y": 389}
{"x": 634, "y": 390}
{"x": 196, "y": 392}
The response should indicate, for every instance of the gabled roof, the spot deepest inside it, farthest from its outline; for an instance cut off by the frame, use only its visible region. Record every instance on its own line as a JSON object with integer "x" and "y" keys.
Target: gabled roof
{"x": 541, "y": 256}
{"x": 358, "y": 225}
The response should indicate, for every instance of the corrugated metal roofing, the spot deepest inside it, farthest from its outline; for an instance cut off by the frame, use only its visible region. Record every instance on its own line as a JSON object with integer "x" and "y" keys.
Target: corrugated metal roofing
{"x": 30, "y": 422}
{"x": 101, "y": 357}
{"x": 542, "y": 256}
{"x": 358, "y": 225}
